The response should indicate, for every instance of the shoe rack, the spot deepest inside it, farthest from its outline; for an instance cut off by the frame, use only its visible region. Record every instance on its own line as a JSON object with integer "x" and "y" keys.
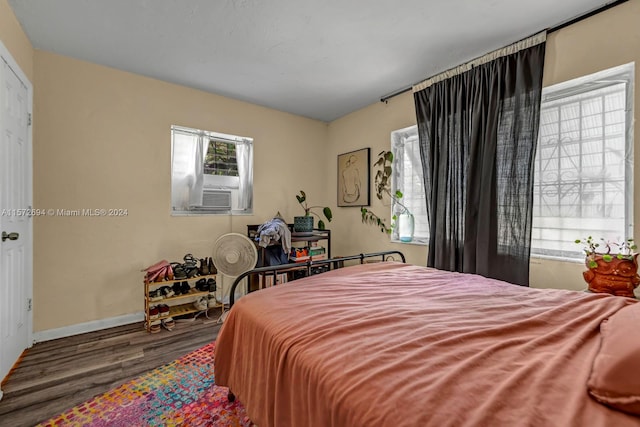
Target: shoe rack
{"x": 179, "y": 305}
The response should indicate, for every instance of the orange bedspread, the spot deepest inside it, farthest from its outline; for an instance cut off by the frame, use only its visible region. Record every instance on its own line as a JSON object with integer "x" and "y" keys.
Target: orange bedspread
{"x": 393, "y": 344}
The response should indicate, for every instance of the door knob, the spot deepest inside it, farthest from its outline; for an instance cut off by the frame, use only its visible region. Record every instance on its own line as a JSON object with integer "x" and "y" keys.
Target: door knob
{"x": 10, "y": 236}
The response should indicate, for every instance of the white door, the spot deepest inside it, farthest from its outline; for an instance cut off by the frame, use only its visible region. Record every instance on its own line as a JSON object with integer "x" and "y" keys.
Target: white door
{"x": 15, "y": 216}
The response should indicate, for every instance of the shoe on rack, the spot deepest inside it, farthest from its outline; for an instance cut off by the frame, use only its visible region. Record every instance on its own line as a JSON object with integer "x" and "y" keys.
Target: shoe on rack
{"x": 201, "y": 284}
{"x": 204, "y": 267}
{"x": 167, "y": 292}
{"x": 154, "y": 312}
{"x": 185, "y": 288}
{"x": 155, "y": 295}
{"x": 211, "y": 285}
{"x": 168, "y": 323}
{"x": 189, "y": 260}
{"x": 212, "y": 268}
{"x": 178, "y": 271}
{"x": 201, "y": 303}
{"x": 154, "y": 327}
{"x": 176, "y": 288}
{"x": 163, "y": 309}
{"x": 191, "y": 271}
{"x": 190, "y": 266}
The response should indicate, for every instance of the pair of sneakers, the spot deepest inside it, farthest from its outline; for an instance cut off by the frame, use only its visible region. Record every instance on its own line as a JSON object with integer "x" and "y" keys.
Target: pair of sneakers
{"x": 155, "y": 325}
{"x": 161, "y": 293}
{"x": 201, "y": 304}
{"x": 181, "y": 288}
{"x": 168, "y": 323}
{"x": 186, "y": 270}
{"x": 155, "y": 295}
{"x": 159, "y": 315}
{"x": 158, "y": 311}
{"x": 206, "y": 285}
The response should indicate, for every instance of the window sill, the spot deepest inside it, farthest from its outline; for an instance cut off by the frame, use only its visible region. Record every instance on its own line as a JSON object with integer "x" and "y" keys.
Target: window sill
{"x": 209, "y": 213}
{"x": 418, "y": 242}
{"x": 557, "y": 258}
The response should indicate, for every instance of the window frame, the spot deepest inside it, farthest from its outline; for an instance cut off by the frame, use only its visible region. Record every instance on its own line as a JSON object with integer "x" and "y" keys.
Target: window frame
{"x": 399, "y": 139}
{"x": 216, "y": 182}
{"x": 621, "y": 74}
{"x": 228, "y": 146}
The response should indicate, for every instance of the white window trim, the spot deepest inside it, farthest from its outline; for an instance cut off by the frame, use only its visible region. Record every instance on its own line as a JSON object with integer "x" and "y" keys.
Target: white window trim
{"x": 209, "y": 182}
{"x": 397, "y": 138}
{"x": 625, "y": 72}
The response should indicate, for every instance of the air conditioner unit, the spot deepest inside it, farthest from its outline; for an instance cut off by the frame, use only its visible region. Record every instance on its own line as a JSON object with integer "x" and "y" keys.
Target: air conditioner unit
{"x": 215, "y": 200}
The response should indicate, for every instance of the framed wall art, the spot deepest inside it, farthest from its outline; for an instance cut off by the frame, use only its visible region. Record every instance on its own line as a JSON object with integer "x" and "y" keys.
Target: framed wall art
{"x": 353, "y": 178}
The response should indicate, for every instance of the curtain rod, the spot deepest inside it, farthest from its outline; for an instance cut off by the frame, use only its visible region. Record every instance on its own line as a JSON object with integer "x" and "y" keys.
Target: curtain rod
{"x": 550, "y": 30}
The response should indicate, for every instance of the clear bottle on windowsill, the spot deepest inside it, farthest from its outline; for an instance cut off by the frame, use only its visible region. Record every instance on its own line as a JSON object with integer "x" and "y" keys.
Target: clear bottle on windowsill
{"x": 406, "y": 225}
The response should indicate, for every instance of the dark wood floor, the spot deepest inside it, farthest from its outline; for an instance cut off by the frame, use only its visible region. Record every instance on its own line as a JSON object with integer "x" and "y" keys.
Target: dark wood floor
{"x": 56, "y": 375}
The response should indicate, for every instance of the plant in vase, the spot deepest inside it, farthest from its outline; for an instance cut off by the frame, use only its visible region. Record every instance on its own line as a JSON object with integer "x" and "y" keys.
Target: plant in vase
{"x": 402, "y": 219}
{"x": 612, "y": 267}
{"x": 305, "y": 223}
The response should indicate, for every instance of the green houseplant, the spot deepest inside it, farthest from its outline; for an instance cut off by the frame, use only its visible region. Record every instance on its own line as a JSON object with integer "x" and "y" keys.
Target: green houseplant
{"x": 403, "y": 218}
{"x": 611, "y": 268}
{"x": 305, "y": 223}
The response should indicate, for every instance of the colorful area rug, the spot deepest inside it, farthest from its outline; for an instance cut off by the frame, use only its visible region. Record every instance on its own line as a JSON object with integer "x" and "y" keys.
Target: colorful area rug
{"x": 181, "y": 393}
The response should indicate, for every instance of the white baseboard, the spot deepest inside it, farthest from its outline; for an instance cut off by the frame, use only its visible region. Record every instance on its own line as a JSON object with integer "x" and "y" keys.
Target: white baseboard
{"x": 81, "y": 328}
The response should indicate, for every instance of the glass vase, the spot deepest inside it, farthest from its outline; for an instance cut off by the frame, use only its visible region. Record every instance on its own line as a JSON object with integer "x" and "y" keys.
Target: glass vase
{"x": 406, "y": 225}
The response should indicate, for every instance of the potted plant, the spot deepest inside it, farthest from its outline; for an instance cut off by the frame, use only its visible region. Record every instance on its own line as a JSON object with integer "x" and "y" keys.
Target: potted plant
{"x": 402, "y": 218}
{"x": 612, "y": 268}
{"x": 305, "y": 223}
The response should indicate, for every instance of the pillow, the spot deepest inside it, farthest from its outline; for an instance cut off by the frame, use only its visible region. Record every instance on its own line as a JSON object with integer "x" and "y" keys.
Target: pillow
{"x": 615, "y": 375}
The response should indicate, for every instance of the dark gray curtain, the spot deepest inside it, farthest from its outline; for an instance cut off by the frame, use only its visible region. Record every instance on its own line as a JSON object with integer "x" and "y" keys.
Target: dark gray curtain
{"x": 478, "y": 132}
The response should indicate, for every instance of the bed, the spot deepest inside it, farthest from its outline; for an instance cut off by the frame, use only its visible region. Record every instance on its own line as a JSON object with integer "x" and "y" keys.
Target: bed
{"x": 393, "y": 344}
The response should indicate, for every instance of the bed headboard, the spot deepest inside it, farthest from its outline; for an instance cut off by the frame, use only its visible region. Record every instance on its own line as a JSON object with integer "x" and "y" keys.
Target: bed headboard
{"x": 309, "y": 267}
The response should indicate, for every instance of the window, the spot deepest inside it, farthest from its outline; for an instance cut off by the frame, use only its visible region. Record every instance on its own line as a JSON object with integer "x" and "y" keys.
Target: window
{"x": 407, "y": 177}
{"x": 211, "y": 173}
{"x": 221, "y": 159}
{"x": 583, "y": 182}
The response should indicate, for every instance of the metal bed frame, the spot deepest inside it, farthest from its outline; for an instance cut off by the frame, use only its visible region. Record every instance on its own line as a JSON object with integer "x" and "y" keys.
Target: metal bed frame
{"x": 309, "y": 267}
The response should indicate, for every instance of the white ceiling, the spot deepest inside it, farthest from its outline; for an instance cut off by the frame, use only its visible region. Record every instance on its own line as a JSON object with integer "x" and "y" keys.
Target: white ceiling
{"x": 317, "y": 58}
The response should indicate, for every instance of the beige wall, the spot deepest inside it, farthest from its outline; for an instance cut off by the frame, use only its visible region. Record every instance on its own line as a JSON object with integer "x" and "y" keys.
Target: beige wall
{"x": 369, "y": 127}
{"x": 605, "y": 40}
{"x": 15, "y": 40}
{"x": 101, "y": 140}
